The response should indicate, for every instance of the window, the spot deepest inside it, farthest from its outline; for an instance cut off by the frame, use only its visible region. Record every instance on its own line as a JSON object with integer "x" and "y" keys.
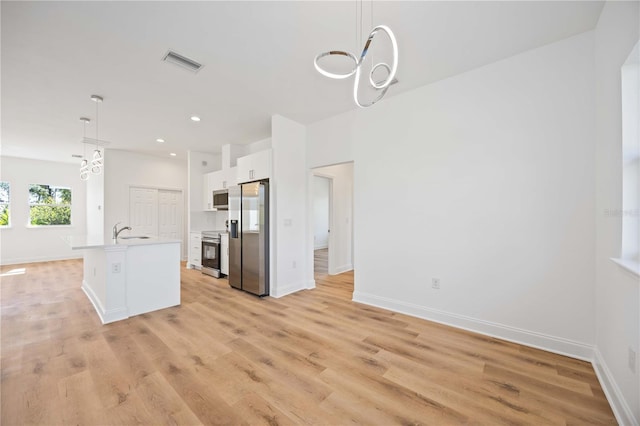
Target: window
{"x": 630, "y": 211}
{"x": 5, "y": 195}
{"x": 49, "y": 205}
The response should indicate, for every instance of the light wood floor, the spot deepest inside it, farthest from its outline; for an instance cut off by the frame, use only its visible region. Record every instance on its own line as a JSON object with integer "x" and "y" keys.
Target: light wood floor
{"x": 226, "y": 357}
{"x": 321, "y": 263}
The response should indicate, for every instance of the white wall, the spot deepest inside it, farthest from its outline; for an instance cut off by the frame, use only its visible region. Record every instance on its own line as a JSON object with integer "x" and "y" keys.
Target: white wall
{"x": 330, "y": 141}
{"x": 617, "y": 290}
{"x": 492, "y": 180}
{"x": 95, "y": 205}
{"x": 288, "y": 195}
{"x": 124, "y": 169}
{"x": 200, "y": 220}
{"x": 320, "y": 212}
{"x": 20, "y": 243}
{"x": 254, "y": 147}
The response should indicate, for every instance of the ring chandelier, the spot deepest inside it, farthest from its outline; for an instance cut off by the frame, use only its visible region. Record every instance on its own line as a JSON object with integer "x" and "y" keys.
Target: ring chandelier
{"x": 380, "y": 86}
{"x": 97, "y": 161}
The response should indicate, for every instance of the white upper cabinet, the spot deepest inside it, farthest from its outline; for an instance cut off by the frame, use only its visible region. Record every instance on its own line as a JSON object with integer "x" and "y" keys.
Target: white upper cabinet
{"x": 207, "y": 193}
{"x": 222, "y": 179}
{"x": 218, "y": 180}
{"x": 249, "y": 168}
{"x": 255, "y": 166}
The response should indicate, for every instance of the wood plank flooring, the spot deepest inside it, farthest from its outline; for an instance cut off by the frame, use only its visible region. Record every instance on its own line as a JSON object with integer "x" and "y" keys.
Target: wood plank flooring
{"x": 226, "y": 357}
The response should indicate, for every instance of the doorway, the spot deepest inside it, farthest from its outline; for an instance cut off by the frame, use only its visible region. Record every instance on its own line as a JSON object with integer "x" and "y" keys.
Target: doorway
{"x": 332, "y": 204}
{"x": 321, "y": 222}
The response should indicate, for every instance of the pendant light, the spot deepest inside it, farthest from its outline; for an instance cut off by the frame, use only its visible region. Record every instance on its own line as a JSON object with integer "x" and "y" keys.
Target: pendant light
{"x": 96, "y": 162}
{"x": 379, "y": 86}
{"x": 84, "y": 164}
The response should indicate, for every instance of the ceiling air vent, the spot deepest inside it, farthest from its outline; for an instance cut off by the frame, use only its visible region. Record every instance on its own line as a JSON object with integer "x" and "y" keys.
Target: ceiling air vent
{"x": 182, "y": 61}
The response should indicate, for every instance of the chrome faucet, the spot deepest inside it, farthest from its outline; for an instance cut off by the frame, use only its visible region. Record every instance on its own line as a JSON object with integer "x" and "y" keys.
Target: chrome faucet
{"x": 117, "y": 232}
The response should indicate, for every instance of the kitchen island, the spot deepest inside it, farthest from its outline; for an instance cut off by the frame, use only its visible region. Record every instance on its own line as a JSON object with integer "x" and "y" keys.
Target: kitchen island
{"x": 130, "y": 277}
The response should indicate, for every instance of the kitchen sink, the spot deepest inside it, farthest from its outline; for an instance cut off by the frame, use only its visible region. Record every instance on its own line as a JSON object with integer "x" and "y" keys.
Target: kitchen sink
{"x": 134, "y": 237}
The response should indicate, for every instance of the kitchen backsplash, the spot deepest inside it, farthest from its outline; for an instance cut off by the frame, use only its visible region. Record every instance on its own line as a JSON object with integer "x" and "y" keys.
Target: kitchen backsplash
{"x": 203, "y": 221}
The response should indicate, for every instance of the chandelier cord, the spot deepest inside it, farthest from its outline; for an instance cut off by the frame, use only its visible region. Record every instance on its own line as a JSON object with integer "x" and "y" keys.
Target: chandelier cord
{"x": 97, "y": 122}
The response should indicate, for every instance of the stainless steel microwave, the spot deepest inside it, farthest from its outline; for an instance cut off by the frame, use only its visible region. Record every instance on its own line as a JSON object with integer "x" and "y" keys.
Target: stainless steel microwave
{"x": 221, "y": 200}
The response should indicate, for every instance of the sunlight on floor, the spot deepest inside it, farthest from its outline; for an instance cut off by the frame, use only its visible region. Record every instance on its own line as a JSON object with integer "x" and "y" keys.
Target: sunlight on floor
{"x": 17, "y": 271}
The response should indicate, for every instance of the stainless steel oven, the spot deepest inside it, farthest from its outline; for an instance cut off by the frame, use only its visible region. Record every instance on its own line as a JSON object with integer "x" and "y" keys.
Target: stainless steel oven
{"x": 211, "y": 254}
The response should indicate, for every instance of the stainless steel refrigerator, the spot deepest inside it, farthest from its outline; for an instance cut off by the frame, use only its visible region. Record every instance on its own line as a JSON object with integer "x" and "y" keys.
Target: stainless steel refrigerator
{"x": 249, "y": 237}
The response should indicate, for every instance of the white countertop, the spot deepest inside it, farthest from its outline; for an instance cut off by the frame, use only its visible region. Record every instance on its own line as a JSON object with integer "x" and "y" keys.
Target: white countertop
{"x": 214, "y": 232}
{"x": 79, "y": 242}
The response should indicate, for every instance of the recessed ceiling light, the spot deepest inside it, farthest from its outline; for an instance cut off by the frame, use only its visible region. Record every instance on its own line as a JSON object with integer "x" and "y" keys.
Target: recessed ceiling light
{"x": 173, "y": 154}
{"x": 160, "y": 140}
{"x": 195, "y": 118}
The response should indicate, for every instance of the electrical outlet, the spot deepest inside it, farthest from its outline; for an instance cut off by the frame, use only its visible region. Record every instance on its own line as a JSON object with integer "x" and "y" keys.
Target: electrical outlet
{"x": 115, "y": 268}
{"x": 435, "y": 283}
{"x": 632, "y": 360}
{"x": 294, "y": 264}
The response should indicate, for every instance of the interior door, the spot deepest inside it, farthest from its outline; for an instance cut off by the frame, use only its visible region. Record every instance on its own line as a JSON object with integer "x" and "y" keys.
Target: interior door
{"x": 143, "y": 211}
{"x": 169, "y": 214}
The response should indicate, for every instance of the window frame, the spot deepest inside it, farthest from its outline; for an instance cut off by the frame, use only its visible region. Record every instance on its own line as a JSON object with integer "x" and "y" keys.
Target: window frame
{"x": 8, "y": 204}
{"x": 629, "y": 212}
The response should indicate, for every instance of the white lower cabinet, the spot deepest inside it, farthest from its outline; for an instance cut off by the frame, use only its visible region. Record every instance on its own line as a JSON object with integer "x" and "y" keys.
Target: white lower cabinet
{"x": 195, "y": 250}
{"x": 224, "y": 254}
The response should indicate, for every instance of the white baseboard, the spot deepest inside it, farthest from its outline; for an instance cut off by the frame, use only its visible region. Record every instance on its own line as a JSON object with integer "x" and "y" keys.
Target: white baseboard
{"x": 311, "y": 284}
{"x": 341, "y": 269}
{"x": 620, "y": 408}
{"x": 525, "y": 337}
{"x": 21, "y": 260}
{"x": 105, "y": 316}
{"x": 282, "y": 291}
{"x": 321, "y": 247}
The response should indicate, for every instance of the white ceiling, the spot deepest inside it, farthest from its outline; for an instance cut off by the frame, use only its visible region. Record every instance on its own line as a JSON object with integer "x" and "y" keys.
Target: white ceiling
{"x": 257, "y": 56}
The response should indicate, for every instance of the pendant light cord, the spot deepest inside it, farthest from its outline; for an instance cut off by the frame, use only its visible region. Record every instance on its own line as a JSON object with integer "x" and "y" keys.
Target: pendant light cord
{"x": 97, "y": 122}
{"x": 361, "y": 27}
{"x": 371, "y": 27}
{"x": 358, "y": 24}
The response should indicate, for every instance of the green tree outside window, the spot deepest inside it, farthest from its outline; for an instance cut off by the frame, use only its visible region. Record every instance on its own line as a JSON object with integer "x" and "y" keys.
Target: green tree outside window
{"x": 4, "y": 203}
{"x": 49, "y": 205}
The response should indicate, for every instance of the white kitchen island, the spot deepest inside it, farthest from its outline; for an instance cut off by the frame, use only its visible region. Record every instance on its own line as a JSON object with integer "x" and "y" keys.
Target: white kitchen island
{"x": 134, "y": 276}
